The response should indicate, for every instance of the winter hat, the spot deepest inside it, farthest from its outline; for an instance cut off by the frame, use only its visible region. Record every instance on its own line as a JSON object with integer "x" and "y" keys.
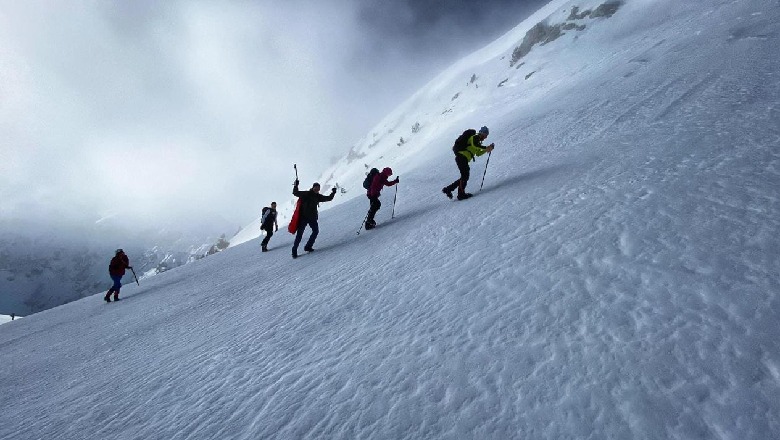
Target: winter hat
{"x": 315, "y": 184}
{"x": 387, "y": 171}
{"x": 484, "y": 130}
{"x": 120, "y": 251}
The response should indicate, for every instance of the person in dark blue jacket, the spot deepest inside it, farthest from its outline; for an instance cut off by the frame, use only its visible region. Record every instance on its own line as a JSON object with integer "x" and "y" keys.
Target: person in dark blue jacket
{"x": 268, "y": 224}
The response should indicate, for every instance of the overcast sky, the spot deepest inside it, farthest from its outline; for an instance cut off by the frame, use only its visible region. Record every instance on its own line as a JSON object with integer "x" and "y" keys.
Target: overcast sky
{"x": 146, "y": 107}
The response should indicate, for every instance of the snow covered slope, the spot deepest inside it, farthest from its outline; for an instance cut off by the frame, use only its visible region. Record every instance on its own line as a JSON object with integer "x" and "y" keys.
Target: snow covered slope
{"x": 617, "y": 277}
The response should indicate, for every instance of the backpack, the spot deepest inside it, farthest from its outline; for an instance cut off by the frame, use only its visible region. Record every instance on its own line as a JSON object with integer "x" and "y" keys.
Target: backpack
{"x": 370, "y": 178}
{"x": 266, "y": 221}
{"x": 463, "y": 140}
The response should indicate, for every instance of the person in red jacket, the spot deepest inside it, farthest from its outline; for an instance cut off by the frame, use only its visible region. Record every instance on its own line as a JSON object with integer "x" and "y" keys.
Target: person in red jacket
{"x": 116, "y": 269}
{"x": 379, "y": 182}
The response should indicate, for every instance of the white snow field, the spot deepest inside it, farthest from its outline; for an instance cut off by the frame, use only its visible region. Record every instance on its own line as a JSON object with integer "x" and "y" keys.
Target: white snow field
{"x": 616, "y": 278}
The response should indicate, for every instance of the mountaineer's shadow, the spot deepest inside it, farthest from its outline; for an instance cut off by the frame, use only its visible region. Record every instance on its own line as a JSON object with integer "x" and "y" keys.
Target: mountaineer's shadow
{"x": 528, "y": 176}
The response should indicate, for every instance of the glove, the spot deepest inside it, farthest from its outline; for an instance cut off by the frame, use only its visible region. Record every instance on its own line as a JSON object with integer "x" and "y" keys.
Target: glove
{"x": 277, "y": 229}
{"x": 296, "y": 182}
{"x": 397, "y": 179}
{"x": 333, "y": 190}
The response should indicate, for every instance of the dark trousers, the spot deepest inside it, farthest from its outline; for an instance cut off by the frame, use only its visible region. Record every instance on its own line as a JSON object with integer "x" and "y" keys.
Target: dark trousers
{"x": 268, "y": 234}
{"x": 373, "y": 208}
{"x": 117, "y": 279}
{"x": 463, "y": 167}
{"x": 315, "y": 229}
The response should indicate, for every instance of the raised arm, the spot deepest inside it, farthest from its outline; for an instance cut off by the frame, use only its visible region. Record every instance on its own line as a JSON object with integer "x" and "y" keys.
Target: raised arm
{"x": 328, "y": 198}
{"x": 296, "y": 193}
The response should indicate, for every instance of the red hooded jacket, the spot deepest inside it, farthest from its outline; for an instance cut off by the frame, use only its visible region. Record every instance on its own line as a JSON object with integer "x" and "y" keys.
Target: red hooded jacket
{"x": 118, "y": 264}
{"x": 379, "y": 182}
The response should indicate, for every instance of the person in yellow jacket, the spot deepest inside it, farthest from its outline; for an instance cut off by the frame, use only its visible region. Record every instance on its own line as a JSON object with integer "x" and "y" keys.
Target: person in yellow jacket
{"x": 467, "y": 147}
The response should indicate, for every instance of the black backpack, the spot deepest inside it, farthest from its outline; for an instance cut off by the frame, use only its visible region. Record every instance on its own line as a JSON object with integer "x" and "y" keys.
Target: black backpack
{"x": 370, "y": 178}
{"x": 265, "y": 217}
{"x": 463, "y": 140}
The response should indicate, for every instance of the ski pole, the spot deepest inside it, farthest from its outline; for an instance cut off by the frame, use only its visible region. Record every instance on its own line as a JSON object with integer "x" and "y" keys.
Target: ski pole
{"x": 296, "y": 171}
{"x": 134, "y": 276}
{"x": 364, "y": 222}
{"x": 483, "y": 174}
{"x": 394, "y": 197}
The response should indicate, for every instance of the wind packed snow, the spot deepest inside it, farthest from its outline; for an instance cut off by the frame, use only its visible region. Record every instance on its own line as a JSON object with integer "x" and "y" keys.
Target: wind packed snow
{"x": 616, "y": 277}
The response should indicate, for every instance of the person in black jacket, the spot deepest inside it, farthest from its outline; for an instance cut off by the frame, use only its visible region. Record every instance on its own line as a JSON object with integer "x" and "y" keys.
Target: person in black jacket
{"x": 307, "y": 215}
{"x": 268, "y": 224}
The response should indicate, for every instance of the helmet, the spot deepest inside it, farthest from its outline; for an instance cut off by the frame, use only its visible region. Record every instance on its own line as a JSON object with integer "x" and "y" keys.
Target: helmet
{"x": 484, "y": 130}
{"x": 387, "y": 171}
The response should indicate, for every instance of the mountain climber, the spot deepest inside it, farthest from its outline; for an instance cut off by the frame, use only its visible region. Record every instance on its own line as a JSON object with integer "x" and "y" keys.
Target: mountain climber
{"x": 379, "y": 182}
{"x": 467, "y": 147}
{"x": 307, "y": 214}
{"x": 116, "y": 269}
{"x": 268, "y": 224}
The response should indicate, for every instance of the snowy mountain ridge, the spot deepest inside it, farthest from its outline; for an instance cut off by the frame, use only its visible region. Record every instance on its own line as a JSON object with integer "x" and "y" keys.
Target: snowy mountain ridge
{"x": 618, "y": 276}
{"x": 448, "y": 104}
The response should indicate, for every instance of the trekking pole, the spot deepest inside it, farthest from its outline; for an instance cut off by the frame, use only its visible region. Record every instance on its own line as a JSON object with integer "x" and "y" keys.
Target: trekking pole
{"x": 134, "y": 276}
{"x": 394, "y": 197}
{"x": 296, "y": 171}
{"x": 364, "y": 222}
{"x": 483, "y": 174}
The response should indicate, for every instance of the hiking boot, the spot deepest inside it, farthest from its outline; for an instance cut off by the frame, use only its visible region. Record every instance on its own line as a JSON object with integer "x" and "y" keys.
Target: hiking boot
{"x": 447, "y": 193}
{"x": 464, "y": 196}
{"x": 116, "y": 297}
{"x": 295, "y": 253}
{"x": 308, "y": 249}
{"x": 370, "y": 226}
{"x": 265, "y": 249}
{"x": 107, "y": 299}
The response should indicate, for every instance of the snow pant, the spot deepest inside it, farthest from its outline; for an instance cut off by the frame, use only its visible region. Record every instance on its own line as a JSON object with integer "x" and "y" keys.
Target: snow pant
{"x": 115, "y": 288}
{"x": 268, "y": 234}
{"x": 315, "y": 229}
{"x": 373, "y": 208}
{"x": 463, "y": 167}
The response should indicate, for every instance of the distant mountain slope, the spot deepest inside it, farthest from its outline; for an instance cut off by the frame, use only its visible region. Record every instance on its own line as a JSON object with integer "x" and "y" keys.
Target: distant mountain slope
{"x": 44, "y": 267}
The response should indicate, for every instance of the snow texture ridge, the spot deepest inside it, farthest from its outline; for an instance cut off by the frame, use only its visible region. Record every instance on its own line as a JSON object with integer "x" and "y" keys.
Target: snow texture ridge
{"x": 617, "y": 277}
